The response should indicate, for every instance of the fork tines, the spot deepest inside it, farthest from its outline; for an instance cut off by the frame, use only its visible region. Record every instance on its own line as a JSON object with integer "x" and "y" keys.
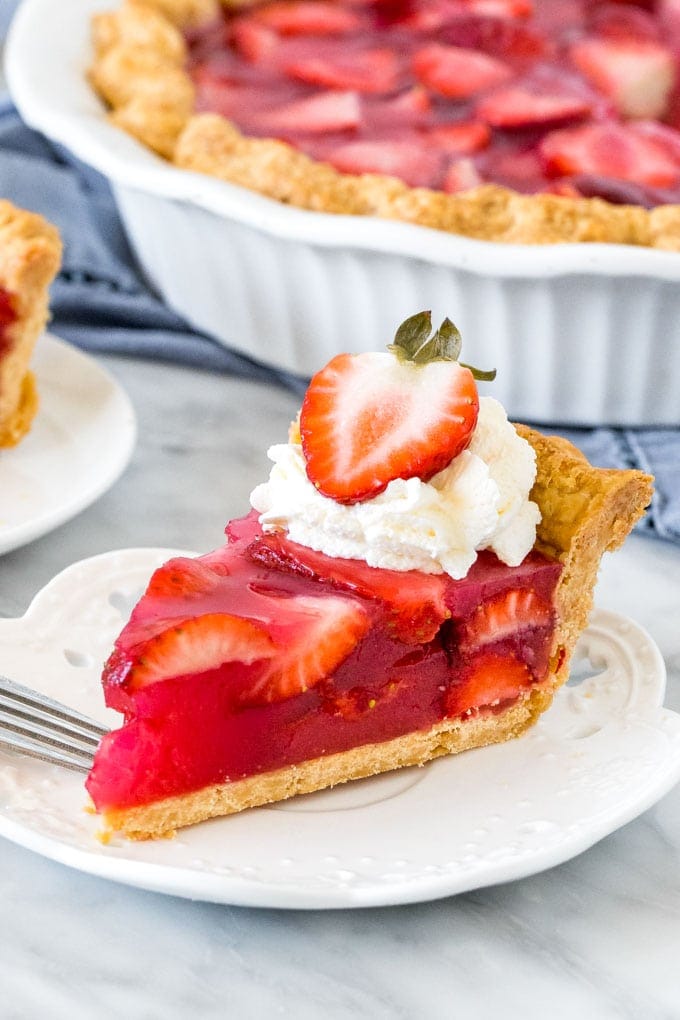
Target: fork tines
{"x": 36, "y": 725}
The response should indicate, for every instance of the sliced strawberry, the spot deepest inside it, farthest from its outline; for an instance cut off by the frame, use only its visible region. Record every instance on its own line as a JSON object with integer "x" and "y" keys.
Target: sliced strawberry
{"x": 500, "y": 8}
{"x": 489, "y": 681}
{"x": 254, "y": 41}
{"x": 622, "y": 20}
{"x": 416, "y": 165}
{"x": 307, "y": 17}
{"x": 461, "y": 176}
{"x": 462, "y": 137}
{"x": 637, "y": 74}
{"x": 367, "y": 419}
{"x": 410, "y": 108}
{"x": 182, "y": 578}
{"x": 455, "y": 72}
{"x": 323, "y": 633}
{"x": 372, "y": 71}
{"x": 519, "y": 169}
{"x": 512, "y": 612}
{"x": 518, "y": 107}
{"x": 508, "y": 39}
{"x": 197, "y": 645}
{"x": 416, "y": 600}
{"x": 608, "y": 150}
{"x": 321, "y": 113}
{"x": 667, "y": 137}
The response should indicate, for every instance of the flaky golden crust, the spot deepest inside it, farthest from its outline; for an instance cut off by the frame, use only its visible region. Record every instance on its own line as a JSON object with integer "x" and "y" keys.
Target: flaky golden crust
{"x": 138, "y": 69}
{"x": 585, "y": 511}
{"x": 30, "y": 253}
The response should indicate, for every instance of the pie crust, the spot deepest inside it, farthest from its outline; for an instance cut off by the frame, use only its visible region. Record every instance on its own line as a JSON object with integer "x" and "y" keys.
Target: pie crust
{"x": 30, "y": 255}
{"x": 138, "y": 69}
{"x": 585, "y": 512}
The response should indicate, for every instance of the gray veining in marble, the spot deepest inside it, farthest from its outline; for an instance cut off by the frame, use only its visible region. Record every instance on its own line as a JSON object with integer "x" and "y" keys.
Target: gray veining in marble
{"x": 598, "y": 937}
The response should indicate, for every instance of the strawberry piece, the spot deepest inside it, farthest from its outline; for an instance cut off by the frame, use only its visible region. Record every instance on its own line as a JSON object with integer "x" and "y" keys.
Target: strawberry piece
{"x": 622, "y": 20}
{"x": 638, "y": 75}
{"x": 197, "y": 645}
{"x": 667, "y": 137}
{"x": 307, "y": 17}
{"x": 372, "y": 71}
{"x": 367, "y": 419}
{"x": 518, "y": 107}
{"x": 253, "y": 41}
{"x": 307, "y": 654}
{"x": 415, "y": 165}
{"x": 321, "y": 113}
{"x": 182, "y": 578}
{"x": 512, "y": 612}
{"x": 609, "y": 150}
{"x": 488, "y": 681}
{"x": 461, "y": 176}
{"x": 500, "y": 8}
{"x": 410, "y": 108}
{"x": 416, "y": 600}
{"x": 462, "y": 138}
{"x": 455, "y": 72}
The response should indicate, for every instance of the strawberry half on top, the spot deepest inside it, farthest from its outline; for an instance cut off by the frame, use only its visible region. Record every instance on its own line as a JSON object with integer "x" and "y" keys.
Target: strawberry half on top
{"x": 367, "y": 419}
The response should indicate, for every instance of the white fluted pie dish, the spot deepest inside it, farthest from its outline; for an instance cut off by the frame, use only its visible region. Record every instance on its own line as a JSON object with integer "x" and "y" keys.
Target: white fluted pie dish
{"x": 579, "y": 333}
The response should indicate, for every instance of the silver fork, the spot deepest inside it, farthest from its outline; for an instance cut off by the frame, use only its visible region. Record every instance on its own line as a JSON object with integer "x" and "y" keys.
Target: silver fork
{"x": 40, "y": 727}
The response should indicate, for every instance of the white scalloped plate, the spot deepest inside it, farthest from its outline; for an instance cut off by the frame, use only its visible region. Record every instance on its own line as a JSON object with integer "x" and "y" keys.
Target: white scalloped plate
{"x": 80, "y": 443}
{"x": 604, "y": 753}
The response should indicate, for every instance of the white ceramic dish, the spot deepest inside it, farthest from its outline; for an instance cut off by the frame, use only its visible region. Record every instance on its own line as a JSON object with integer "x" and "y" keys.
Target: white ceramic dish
{"x": 604, "y": 753}
{"x": 80, "y": 442}
{"x": 580, "y": 334}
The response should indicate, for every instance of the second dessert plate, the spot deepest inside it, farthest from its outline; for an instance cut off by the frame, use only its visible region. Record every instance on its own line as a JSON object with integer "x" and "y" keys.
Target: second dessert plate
{"x": 604, "y": 753}
{"x": 80, "y": 443}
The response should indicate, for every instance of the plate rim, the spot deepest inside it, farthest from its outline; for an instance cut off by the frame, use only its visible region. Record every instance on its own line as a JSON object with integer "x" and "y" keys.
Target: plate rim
{"x": 12, "y": 538}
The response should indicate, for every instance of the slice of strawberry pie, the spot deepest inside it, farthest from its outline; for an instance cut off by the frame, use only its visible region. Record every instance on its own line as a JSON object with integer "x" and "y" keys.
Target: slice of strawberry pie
{"x": 30, "y": 253}
{"x": 410, "y": 583}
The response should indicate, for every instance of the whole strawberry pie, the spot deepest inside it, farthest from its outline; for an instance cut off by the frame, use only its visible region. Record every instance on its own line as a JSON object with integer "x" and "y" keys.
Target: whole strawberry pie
{"x": 410, "y": 582}
{"x": 511, "y": 120}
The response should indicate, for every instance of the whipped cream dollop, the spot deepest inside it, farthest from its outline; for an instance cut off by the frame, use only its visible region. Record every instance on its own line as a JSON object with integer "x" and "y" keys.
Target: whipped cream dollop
{"x": 479, "y": 501}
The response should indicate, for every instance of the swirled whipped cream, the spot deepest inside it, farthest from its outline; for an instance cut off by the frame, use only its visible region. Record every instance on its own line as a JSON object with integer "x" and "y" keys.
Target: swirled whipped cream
{"x": 479, "y": 501}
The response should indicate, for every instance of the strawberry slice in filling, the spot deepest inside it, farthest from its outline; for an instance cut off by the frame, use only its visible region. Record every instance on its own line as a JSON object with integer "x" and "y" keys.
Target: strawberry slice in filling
{"x": 8, "y": 316}
{"x": 265, "y": 654}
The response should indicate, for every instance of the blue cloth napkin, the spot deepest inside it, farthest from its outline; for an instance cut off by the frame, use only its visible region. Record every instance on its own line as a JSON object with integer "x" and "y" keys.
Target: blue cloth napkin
{"x": 101, "y": 303}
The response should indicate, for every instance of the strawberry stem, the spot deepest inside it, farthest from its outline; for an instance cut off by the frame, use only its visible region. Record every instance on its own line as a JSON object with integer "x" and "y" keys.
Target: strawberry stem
{"x": 414, "y": 341}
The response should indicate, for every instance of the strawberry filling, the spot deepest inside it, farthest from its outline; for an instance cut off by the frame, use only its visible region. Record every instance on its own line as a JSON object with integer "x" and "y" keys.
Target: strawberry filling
{"x": 265, "y": 654}
{"x": 8, "y": 316}
{"x": 539, "y": 96}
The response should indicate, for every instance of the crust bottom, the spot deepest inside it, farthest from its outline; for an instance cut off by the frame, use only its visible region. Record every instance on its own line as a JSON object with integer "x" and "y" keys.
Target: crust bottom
{"x": 17, "y": 424}
{"x": 164, "y": 817}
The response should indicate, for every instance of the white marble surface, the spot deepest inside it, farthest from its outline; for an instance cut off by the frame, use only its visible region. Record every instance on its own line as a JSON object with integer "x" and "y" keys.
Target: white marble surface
{"x": 596, "y": 937}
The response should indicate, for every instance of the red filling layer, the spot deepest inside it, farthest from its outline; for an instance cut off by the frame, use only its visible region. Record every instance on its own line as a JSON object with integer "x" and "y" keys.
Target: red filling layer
{"x": 413, "y": 650}
{"x": 569, "y": 96}
{"x": 8, "y": 316}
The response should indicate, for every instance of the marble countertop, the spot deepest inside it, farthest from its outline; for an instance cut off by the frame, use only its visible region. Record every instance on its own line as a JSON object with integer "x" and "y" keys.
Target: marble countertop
{"x": 595, "y": 937}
